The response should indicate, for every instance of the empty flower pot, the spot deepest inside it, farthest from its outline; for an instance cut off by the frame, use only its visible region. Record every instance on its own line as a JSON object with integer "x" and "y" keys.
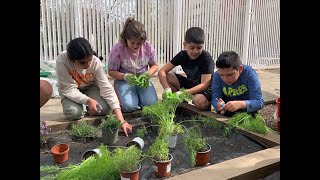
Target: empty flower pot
{"x": 137, "y": 141}
{"x": 60, "y": 153}
{"x": 90, "y": 152}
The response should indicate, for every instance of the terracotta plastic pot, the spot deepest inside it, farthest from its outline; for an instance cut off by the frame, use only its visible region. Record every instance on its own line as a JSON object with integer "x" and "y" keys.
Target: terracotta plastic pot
{"x": 202, "y": 158}
{"x": 163, "y": 168}
{"x": 131, "y": 175}
{"x": 60, "y": 153}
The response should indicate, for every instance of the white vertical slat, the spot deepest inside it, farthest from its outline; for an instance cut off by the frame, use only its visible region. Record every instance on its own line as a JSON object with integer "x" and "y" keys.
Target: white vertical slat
{"x": 90, "y": 9}
{"x": 94, "y": 25}
{"x": 212, "y": 16}
{"x": 81, "y": 16}
{"x": 152, "y": 31}
{"x": 68, "y": 30}
{"x": 63, "y": 23}
{"x": 148, "y": 13}
{"x": 98, "y": 9}
{"x": 85, "y": 19}
{"x": 184, "y": 22}
{"x": 106, "y": 15}
{"x": 72, "y": 19}
{"x": 160, "y": 52}
{"x": 49, "y": 31}
{"x": 102, "y": 50}
{"x": 41, "y": 49}
{"x": 110, "y": 26}
{"x": 247, "y": 31}
{"x": 166, "y": 50}
{"x": 114, "y": 21}
{"x": 258, "y": 26}
{"x": 209, "y": 32}
{"x": 255, "y": 37}
{"x": 58, "y": 24}
{"x": 204, "y": 22}
{"x": 44, "y": 29}
{"x": 235, "y": 20}
{"x": 54, "y": 40}
{"x": 76, "y": 19}
{"x": 268, "y": 31}
{"x": 219, "y": 32}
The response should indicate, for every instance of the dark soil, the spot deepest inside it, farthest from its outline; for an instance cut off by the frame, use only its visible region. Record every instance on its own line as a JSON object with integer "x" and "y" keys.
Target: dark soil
{"x": 267, "y": 112}
{"x": 223, "y": 148}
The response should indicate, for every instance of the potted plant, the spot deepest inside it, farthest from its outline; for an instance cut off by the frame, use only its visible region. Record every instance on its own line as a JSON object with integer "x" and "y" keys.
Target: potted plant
{"x": 83, "y": 132}
{"x": 60, "y": 153}
{"x": 110, "y": 128}
{"x": 172, "y": 129}
{"x": 159, "y": 154}
{"x": 164, "y": 112}
{"x": 127, "y": 160}
{"x": 198, "y": 148}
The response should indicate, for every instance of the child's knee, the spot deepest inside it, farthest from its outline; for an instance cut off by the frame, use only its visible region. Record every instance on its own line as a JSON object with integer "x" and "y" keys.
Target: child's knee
{"x": 200, "y": 102}
{"x": 128, "y": 109}
{"x": 73, "y": 112}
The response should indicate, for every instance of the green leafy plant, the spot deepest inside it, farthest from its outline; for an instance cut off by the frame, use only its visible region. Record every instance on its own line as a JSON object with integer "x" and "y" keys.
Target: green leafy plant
{"x": 94, "y": 167}
{"x": 246, "y": 121}
{"x": 141, "y": 131}
{"x": 142, "y": 80}
{"x": 159, "y": 150}
{"x": 169, "y": 127}
{"x": 110, "y": 122}
{"x": 194, "y": 143}
{"x": 83, "y": 130}
{"x": 183, "y": 96}
{"x": 127, "y": 159}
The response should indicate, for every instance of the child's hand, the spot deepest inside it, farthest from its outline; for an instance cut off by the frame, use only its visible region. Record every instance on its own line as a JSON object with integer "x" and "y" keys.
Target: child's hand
{"x": 143, "y": 80}
{"x": 126, "y": 127}
{"x": 166, "y": 93}
{"x": 130, "y": 78}
{"x": 221, "y": 106}
{"x": 93, "y": 106}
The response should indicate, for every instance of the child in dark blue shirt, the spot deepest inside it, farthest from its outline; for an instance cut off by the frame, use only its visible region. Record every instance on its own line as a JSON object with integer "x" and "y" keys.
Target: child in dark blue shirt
{"x": 235, "y": 86}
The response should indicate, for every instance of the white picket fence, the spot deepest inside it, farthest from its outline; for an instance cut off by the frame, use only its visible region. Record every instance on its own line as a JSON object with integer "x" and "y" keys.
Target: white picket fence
{"x": 249, "y": 27}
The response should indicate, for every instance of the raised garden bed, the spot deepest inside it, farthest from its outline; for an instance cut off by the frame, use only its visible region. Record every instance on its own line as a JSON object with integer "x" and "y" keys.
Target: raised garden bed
{"x": 224, "y": 148}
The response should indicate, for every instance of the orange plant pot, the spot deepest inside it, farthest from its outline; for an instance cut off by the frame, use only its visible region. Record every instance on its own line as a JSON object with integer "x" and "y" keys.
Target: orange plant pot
{"x": 163, "y": 168}
{"x": 202, "y": 158}
{"x": 60, "y": 153}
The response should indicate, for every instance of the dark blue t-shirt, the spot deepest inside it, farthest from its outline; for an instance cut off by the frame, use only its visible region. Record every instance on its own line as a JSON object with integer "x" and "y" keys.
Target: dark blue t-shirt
{"x": 246, "y": 88}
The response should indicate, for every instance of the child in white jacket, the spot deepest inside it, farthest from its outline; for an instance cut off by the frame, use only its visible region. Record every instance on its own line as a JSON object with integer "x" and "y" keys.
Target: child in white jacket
{"x": 83, "y": 84}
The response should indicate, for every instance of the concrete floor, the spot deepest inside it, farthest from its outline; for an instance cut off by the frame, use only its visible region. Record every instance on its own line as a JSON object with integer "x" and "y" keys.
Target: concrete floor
{"x": 52, "y": 113}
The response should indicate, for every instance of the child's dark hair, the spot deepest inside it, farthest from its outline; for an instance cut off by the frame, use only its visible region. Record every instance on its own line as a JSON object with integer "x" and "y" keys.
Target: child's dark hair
{"x": 78, "y": 49}
{"x": 228, "y": 59}
{"x": 194, "y": 35}
{"x": 132, "y": 28}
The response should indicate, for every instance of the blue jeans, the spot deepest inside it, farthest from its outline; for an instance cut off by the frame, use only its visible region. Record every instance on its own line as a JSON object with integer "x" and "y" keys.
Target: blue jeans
{"x": 131, "y": 97}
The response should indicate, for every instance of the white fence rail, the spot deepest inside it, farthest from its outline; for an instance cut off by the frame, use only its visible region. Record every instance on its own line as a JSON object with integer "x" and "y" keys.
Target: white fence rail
{"x": 249, "y": 27}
